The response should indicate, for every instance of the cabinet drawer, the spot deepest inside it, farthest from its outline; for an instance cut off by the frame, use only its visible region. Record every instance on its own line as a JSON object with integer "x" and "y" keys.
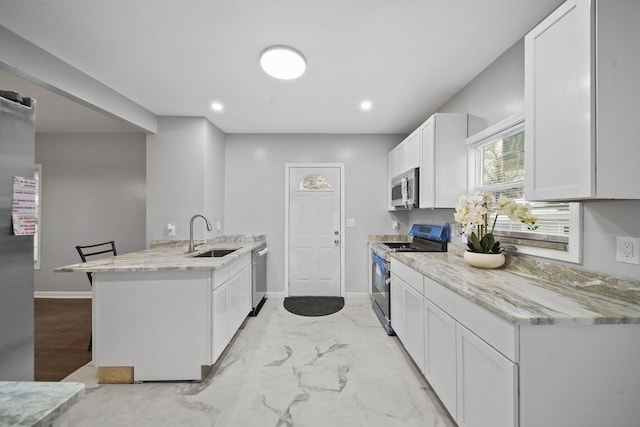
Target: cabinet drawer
{"x": 410, "y": 276}
{"x": 494, "y": 330}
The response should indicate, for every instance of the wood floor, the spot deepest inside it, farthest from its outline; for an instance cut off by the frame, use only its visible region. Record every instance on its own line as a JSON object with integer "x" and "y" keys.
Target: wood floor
{"x": 62, "y": 333}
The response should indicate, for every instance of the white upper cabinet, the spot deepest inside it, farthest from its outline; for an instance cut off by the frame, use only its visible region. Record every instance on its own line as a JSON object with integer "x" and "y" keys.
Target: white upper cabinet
{"x": 581, "y": 94}
{"x": 404, "y": 156}
{"x": 443, "y": 160}
{"x": 438, "y": 148}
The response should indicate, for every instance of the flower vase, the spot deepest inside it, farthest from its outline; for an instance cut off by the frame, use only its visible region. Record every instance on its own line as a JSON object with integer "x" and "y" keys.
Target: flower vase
{"x": 480, "y": 260}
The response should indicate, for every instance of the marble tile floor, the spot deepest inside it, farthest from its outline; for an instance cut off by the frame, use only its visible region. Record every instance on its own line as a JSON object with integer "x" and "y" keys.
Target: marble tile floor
{"x": 281, "y": 370}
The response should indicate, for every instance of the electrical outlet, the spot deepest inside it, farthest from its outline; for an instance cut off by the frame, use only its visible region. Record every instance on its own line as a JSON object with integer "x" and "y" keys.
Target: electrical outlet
{"x": 627, "y": 249}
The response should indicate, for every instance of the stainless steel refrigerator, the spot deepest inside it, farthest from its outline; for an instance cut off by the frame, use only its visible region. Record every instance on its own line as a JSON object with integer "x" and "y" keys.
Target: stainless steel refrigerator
{"x": 17, "y": 154}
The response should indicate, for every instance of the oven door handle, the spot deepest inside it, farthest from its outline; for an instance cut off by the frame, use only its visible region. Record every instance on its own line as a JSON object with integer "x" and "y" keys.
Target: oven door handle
{"x": 381, "y": 264}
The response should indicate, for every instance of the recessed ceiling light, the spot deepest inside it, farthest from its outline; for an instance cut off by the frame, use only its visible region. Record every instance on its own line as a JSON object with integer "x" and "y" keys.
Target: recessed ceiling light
{"x": 283, "y": 62}
{"x": 366, "y": 105}
{"x": 216, "y": 106}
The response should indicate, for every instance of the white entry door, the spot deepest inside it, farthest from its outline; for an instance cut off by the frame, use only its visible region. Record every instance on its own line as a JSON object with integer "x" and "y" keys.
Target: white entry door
{"x": 315, "y": 236}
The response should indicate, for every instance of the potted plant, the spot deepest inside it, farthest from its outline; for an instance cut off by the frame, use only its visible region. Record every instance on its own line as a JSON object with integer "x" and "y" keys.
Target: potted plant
{"x": 474, "y": 214}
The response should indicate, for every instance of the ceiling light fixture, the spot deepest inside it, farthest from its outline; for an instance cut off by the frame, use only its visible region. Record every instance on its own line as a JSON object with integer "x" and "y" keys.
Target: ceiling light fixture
{"x": 365, "y": 105}
{"x": 216, "y": 106}
{"x": 283, "y": 62}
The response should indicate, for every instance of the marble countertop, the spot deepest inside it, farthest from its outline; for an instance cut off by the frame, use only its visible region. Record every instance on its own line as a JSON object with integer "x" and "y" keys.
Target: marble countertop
{"x": 170, "y": 255}
{"x": 373, "y": 238}
{"x": 36, "y": 404}
{"x": 530, "y": 292}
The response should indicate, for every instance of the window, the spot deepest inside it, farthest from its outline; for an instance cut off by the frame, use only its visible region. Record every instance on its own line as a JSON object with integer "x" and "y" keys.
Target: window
{"x": 314, "y": 182}
{"x": 37, "y": 175}
{"x": 498, "y": 168}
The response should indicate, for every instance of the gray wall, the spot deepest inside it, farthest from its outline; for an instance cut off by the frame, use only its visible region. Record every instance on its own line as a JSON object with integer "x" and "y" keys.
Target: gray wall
{"x": 493, "y": 95}
{"x": 497, "y": 93}
{"x": 93, "y": 190}
{"x": 255, "y": 191}
{"x": 185, "y": 176}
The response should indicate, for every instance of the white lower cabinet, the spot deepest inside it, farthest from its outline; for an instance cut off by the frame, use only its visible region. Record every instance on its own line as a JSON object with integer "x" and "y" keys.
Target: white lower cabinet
{"x": 477, "y": 384}
{"x": 398, "y": 318}
{"x": 239, "y": 299}
{"x": 167, "y": 325}
{"x": 440, "y": 354}
{"x": 414, "y": 326}
{"x": 455, "y": 342}
{"x": 230, "y": 303}
{"x": 487, "y": 384}
{"x": 220, "y": 321}
{"x": 406, "y": 312}
{"x": 156, "y": 322}
{"x": 489, "y": 372}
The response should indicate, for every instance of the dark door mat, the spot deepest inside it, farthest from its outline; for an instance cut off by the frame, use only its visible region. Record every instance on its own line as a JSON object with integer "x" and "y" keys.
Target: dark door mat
{"x": 313, "y": 306}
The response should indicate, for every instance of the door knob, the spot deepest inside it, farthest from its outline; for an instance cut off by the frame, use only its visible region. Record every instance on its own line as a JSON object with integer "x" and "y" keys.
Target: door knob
{"x": 336, "y": 232}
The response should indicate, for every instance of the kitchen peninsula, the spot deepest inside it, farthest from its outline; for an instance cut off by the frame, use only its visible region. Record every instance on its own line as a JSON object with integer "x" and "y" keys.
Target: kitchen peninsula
{"x": 161, "y": 314}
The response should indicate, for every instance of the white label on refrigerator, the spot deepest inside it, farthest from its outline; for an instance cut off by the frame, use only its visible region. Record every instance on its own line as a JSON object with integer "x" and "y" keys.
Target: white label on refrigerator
{"x": 24, "y": 209}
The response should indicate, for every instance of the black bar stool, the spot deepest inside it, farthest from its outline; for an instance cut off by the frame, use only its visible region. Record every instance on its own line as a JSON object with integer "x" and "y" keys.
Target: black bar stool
{"x": 94, "y": 250}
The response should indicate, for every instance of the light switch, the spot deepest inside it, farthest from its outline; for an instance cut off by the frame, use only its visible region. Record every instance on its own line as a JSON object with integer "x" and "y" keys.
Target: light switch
{"x": 351, "y": 222}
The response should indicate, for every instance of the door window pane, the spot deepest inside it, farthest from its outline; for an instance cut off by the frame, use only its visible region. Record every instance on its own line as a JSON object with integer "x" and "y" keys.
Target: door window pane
{"x": 314, "y": 182}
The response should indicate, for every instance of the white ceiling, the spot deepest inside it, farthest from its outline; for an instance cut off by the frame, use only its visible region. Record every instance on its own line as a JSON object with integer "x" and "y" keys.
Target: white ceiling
{"x": 174, "y": 57}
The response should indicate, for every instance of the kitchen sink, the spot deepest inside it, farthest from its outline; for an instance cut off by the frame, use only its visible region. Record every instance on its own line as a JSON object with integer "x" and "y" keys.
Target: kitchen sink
{"x": 215, "y": 253}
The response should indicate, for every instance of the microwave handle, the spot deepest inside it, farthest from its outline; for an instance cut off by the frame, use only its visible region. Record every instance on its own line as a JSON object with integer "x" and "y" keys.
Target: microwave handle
{"x": 405, "y": 190}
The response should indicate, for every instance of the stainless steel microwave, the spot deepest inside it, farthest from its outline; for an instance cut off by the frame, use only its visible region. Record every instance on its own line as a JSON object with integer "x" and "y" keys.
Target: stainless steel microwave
{"x": 404, "y": 190}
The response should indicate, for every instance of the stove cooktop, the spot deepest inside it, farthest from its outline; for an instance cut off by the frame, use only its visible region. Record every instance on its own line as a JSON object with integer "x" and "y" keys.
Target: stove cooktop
{"x": 426, "y": 238}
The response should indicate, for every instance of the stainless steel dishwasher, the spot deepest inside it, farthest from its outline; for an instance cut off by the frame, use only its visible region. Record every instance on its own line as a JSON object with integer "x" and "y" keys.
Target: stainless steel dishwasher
{"x": 259, "y": 279}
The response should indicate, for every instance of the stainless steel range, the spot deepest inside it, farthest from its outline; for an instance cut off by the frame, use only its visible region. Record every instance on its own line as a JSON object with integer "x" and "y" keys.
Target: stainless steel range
{"x": 426, "y": 238}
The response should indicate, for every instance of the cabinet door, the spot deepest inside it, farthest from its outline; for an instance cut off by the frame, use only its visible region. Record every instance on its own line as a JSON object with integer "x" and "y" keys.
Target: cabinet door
{"x": 397, "y": 313}
{"x": 411, "y": 152}
{"x": 394, "y": 161}
{"x": 440, "y": 354}
{"x": 443, "y": 160}
{"x": 559, "y": 113}
{"x": 414, "y": 326}
{"x": 487, "y": 390}
{"x": 427, "y": 165}
{"x": 239, "y": 299}
{"x": 219, "y": 317}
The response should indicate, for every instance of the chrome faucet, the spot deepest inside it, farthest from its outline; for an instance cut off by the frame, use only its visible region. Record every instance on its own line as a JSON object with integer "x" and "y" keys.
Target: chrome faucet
{"x": 191, "y": 248}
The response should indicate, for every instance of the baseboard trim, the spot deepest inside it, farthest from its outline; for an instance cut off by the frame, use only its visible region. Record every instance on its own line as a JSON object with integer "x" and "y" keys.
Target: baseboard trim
{"x": 346, "y": 295}
{"x": 356, "y": 295}
{"x": 275, "y": 295}
{"x": 57, "y": 294}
